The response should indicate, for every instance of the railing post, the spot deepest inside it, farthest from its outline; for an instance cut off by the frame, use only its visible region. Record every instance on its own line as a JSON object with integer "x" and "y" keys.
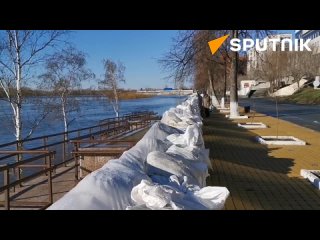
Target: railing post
{"x": 50, "y": 179}
{"x": 45, "y": 148}
{"x": 76, "y": 174}
{"x": 6, "y": 182}
{"x": 77, "y": 145}
{"x": 19, "y": 158}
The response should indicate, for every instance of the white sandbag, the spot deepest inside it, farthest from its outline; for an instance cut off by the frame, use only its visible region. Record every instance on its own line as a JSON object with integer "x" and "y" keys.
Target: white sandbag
{"x": 170, "y": 117}
{"x": 154, "y": 196}
{"x": 184, "y": 114}
{"x": 184, "y": 152}
{"x": 188, "y": 120}
{"x": 159, "y": 163}
{"x": 138, "y": 207}
{"x": 191, "y": 153}
{"x": 107, "y": 188}
{"x": 193, "y": 136}
{"x": 160, "y": 131}
{"x": 194, "y": 160}
{"x": 164, "y": 164}
{"x": 181, "y": 125}
{"x": 212, "y": 197}
{"x": 177, "y": 139}
{"x": 147, "y": 145}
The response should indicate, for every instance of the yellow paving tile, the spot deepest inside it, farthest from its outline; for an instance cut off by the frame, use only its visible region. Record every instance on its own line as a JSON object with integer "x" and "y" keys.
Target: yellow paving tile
{"x": 260, "y": 176}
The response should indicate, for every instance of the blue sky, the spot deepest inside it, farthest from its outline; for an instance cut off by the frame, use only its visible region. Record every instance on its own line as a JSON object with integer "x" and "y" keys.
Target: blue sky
{"x": 137, "y": 49}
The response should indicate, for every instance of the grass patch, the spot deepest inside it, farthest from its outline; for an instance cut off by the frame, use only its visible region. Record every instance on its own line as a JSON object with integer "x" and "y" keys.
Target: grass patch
{"x": 305, "y": 96}
{"x": 133, "y": 95}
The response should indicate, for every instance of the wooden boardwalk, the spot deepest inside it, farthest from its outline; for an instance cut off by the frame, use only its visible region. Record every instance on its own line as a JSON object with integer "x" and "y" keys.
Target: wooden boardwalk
{"x": 259, "y": 176}
{"x": 34, "y": 194}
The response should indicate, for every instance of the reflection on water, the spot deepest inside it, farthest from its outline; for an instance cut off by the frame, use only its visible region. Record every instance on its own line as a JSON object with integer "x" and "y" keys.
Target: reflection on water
{"x": 92, "y": 110}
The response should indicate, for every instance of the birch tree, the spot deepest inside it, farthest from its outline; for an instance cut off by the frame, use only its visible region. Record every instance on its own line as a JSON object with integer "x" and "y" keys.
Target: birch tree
{"x": 65, "y": 72}
{"x": 21, "y": 51}
{"x": 113, "y": 77}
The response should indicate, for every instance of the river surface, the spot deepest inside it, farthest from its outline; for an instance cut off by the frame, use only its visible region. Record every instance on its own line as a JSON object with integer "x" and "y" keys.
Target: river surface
{"x": 92, "y": 109}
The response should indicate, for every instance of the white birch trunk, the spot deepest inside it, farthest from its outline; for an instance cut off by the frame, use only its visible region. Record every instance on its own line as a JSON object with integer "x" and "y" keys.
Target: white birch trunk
{"x": 214, "y": 99}
{"x": 64, "y": 114}
{"x": 116, "y": 101}
{"x": 234, "y": 109}
{"x": 222, "y": 103}
{"x": 234, "y": 81}
{"x": 18, "y": 105}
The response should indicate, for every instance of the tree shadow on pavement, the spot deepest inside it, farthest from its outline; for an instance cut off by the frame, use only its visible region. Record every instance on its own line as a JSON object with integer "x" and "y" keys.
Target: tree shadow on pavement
{"x": 230, "y": 143}
{"x": 255, "y": 179}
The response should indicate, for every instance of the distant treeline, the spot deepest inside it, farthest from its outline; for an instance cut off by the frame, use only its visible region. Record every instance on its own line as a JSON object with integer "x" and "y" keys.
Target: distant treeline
{"x": 123, "y": 94}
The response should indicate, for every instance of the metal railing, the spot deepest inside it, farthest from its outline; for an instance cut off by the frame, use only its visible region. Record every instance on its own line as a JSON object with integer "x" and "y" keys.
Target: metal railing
{"x": 59, "y": 142}
{"x": 45, "y": 155}
{"x": 14, "y": 155}
{"x": 108, "y": 147}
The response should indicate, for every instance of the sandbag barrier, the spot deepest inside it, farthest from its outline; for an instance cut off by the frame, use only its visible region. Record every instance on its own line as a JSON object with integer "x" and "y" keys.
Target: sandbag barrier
{"x": 166, "y": 169}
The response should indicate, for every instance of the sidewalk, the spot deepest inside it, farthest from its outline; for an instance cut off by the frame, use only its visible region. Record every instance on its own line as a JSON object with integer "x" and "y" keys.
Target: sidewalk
{"x": 259, "y": 176}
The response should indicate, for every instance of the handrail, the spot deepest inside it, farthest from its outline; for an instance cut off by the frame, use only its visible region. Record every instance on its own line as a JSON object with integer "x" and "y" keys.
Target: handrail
{"x": 122, "y": 118}
{"x": 119, "y": 120}
{"x": 102, "y": 141}
{"x": 23, "y": 151}
{"x": 61, "y": 147}
{"x": 46, "y": 154}
{"x": 17, "y": 164}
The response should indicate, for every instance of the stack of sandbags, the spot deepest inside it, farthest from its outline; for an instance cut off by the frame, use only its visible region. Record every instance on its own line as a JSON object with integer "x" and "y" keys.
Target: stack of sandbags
{"x": 166, "y": 169}
{"x": 185, "y": 160}
{"x": 176, "y": 196}
{"x": 106, "y": 188}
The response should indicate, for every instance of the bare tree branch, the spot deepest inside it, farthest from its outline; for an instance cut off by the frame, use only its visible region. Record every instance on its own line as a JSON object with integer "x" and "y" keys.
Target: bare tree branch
{"x": 18, "y": 49}
{"x": 65, "y": 72}
{"x": 114, "y": 75}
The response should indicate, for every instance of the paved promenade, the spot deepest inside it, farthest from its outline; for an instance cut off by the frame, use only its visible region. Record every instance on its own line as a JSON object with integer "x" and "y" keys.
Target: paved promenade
{"x": 259, "y": 176}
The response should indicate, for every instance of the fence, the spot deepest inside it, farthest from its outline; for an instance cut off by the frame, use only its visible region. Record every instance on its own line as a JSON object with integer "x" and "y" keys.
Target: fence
{"x": 16, "y": 156}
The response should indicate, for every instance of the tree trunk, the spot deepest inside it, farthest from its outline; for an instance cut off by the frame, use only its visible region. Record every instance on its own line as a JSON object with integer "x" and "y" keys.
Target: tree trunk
{"x": 234, "y": 81}
{"x": 225, "y": 80}
{"x": 64, "y": 114}
{"x": 18, "y": 105}
{"x": 214, "y": 99}
{"x": 116, "y": 101}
